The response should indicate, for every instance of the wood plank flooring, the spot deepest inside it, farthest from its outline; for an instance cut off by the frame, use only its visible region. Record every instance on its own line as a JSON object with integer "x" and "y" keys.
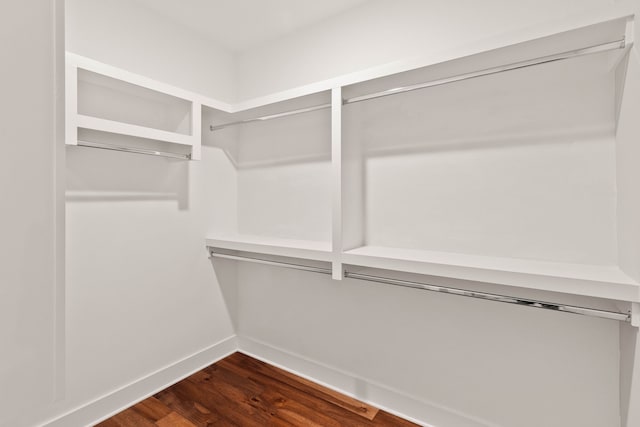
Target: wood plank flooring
{"x": 242, "y": 391}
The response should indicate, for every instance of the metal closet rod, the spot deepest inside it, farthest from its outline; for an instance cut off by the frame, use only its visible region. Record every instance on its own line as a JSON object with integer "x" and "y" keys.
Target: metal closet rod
{"x": 544, "y": 305}
{"x": 584, "y": 311}
{"x": 269, "y": 262}
{"x": 271, "y": 116}
{"x": 133, "y": 150}
{"x": 604, "y": 47}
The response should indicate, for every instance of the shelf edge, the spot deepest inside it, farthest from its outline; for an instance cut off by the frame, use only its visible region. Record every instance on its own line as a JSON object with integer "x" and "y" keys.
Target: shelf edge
{"x": 537, "y": 281}
{"x": 120, "y": 128}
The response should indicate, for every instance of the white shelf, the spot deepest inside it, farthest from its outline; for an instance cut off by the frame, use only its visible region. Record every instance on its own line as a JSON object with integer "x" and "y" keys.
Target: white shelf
{"x": 370, "y": 167}
{"x": 116, "y": 73}
{"x": 601, "y": 281}
{"x": 558, "y": 32}
{"x": 104, "y": 125}
{"x": 303, "y": 249}
{"x": 116, "y": 103}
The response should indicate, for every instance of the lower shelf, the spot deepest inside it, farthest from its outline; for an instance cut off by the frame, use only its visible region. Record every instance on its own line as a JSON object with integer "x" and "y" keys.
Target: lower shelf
{"x": 600, "y": 281}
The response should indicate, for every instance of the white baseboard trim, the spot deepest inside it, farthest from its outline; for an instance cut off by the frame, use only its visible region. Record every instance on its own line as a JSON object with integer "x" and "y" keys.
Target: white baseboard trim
{"x": 395, "y": 402}
{"x": 110, "y": 404}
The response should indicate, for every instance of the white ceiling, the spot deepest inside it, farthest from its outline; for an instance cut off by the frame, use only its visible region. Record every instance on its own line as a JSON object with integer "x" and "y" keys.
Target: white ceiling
{"x": 237, "y": 25}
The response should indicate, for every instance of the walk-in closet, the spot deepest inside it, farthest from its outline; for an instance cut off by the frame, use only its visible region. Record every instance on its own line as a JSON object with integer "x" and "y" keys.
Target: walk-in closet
{"x": 347, "y": 212}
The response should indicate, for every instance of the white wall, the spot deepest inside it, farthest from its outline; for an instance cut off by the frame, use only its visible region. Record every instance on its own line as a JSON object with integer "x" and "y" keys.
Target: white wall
{"x": 506, "y": 365}
{"x": 126, "y": 34}
{"x": 384, "y": 31}
{"x": 28, "y": 354}
{"x": 288, "y": 161}
{"x": 494, "y": 166}
{"x": 141, "y": 293}
{"x": 628, "y": 210}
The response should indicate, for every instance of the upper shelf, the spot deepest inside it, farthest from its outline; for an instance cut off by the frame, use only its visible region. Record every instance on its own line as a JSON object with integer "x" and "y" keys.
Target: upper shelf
{"x": 552, "y": 38}
{"x": 114, "y": 109}
{"x": 567, "y": 34}
{"x": 589, "y": 44}
{"x": 611, "y": 37}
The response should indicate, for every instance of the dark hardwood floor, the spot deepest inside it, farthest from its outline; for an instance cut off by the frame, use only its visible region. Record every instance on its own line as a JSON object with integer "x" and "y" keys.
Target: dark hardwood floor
{"x": 242, "y": 391}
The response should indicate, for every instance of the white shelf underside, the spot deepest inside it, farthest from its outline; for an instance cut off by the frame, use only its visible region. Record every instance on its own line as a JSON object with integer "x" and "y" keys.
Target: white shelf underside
{"x": 601, "y": 281}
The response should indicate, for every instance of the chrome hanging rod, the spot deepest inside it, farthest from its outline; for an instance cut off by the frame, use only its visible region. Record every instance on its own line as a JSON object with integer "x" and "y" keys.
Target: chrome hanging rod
{"x": 584, "y": 311}
{"x": 271, "y": 116}
{"x": 544, "y": 305}
{"x": 618, "y": 44}
{"x": 133, "y": 150}
{"x": 269, "y": 262}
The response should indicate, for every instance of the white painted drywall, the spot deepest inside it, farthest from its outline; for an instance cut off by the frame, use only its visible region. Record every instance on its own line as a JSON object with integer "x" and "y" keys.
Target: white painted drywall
{"x": 384, "y": 31}
{"x": 627, "y": 150}
{"x": 551, "y": 139}
{"x": 128, "y": 35}
{"x": 239, "y": 24}
{"x": 495, "y": 166}
{"x": 141, "y": 292}
{"x": 28, "y": 356}
{"x": 284, "y": 177}
{"x": 628, "y": 212}
{"x": 506, "y": 365}
{"x": 629, "y": 376}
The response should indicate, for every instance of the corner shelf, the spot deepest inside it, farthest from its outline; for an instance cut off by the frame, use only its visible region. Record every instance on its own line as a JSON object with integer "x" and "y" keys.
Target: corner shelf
{"x": 106, "y": 105}
{"x": 303, "y": 249}
{"x": 279, "y": 175}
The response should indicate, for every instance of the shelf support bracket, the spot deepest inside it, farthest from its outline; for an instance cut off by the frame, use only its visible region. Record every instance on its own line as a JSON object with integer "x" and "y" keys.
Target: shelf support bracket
{"x": 337, "y": 178}
{"x": 635, "y": 314}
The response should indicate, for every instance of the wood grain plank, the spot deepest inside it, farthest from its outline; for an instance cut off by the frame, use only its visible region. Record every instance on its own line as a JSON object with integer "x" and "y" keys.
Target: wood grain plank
{"x": 234, "y": 412}
{"x": 193, "y": 411}
{"x": 346, "y": 402}
{"x": 385, "y": 419}
{"x": 174, "y": 420}
{"x": 317, "y": 397}
{"x": 110, "y": 422}
{"x": 152, "y": 409}
{"x": 295, "y": 412}
{"x": 130, "y": 418}
{"x": 235, "y": 403}
{"x": 245, "y": 392}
